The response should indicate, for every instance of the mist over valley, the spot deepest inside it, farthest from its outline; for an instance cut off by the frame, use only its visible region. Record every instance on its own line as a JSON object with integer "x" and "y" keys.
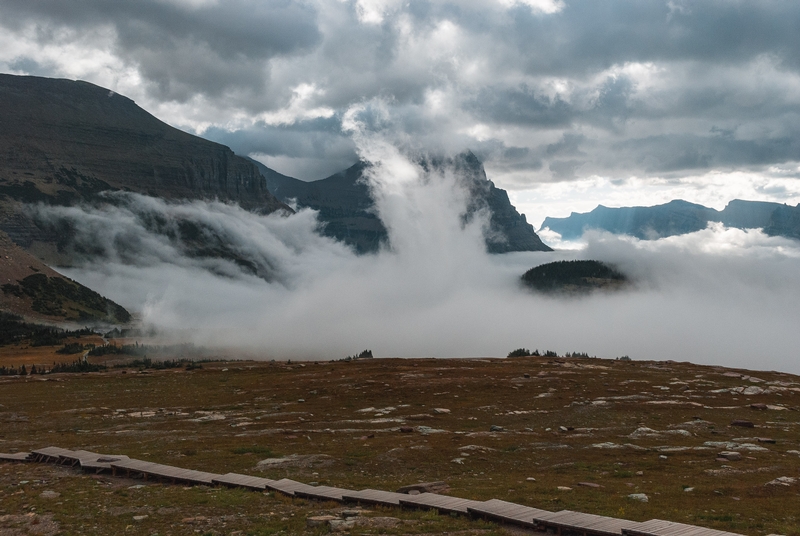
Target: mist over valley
{"x": 398, "y": 254}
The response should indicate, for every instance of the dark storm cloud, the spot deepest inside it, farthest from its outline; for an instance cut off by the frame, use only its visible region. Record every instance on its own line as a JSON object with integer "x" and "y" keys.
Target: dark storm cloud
{"x": 589, "y": 35}
{"x": 641, "y": 87}
{"x": 521, "y": 105}
{"x": 183, "y": 49}
{"x": 303, "y": 138}
{"x": 320, "y": 140}
{"x": 671, "y": 153}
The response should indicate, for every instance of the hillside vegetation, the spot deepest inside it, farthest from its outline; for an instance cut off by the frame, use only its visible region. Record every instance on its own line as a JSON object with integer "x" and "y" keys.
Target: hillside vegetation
{"x": 573, "y": 276}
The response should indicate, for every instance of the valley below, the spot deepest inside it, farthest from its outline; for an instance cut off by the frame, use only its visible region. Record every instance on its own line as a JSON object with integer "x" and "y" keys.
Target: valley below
{"x": 636, "y": 440}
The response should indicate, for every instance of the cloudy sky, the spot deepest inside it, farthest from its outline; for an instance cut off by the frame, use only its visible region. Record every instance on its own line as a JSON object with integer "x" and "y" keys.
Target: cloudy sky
{"x": 569, "y": 103}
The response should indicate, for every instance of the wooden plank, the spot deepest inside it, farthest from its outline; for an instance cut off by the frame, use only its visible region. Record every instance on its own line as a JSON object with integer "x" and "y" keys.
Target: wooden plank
{"x": 443, "y": 503}
{"x": 659, "y": 527}
{"x": 323, "y": 493}
{"x": 166, "y": 471}
{"x": 201, "y": 477}
{"x": 287, "y": 486}
{"x": 130, "y": 463}
{"x": 507, "y": 511}
{"x": 587, "y": 523}
{"x": 243, "y": 481}
{"x": 75, "y": 457}
{"x": 49, "y": 454}
{"x": 14, "y": 457}
{"x": 374, "y": 496}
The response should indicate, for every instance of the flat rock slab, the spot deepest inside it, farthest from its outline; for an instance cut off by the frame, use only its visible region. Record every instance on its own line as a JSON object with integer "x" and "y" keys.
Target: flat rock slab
{"x": 742, "y": 423}
{"x": 318, "y": 521}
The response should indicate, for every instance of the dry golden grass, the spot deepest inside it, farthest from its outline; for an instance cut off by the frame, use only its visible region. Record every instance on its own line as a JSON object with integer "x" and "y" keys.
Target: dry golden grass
{"x": 16, "y": 355}
{"x": 229, "y": 416}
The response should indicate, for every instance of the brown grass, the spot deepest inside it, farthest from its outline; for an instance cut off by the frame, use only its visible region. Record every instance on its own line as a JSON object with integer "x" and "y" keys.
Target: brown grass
{"x": 228, "y": 416}
{"x": 24, "y": 354}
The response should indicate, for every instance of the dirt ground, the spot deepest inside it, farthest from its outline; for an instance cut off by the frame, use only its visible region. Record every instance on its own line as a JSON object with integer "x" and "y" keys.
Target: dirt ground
{"x": 577, "y": 434}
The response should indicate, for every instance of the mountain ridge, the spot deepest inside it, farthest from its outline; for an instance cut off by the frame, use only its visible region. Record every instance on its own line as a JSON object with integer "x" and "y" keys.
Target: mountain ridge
{"x": 63, "y": 142}
{"x": 679, "y": 217}
{"x": 345, "y": 205}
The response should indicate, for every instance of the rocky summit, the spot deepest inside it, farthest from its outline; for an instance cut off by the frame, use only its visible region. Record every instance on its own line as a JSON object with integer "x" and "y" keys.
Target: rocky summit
{"x": 345, "y": 205}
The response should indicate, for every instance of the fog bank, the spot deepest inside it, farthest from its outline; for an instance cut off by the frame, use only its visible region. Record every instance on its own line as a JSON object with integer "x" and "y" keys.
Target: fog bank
{"x": 718, "y": 296}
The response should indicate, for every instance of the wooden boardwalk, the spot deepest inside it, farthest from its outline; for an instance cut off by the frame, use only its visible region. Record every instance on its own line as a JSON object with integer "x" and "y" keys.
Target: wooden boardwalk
{"x": 90, "y": 461}
{"x": 507, "y": 512}
{"x": 166, "y": 472}
{"x": 287, "y": 486}
{"x": 375, "y": 496}
{"x": 443, "y": 503}
{"x": 49, "y": 454}
{"x": 588, "y": 524}
{"x": 559, "y": 522}
{"x": 15, "y": 457}
{"x": 323, "y": 493}
{"x": 77, "y": 457}
{"x": 235, "y": 480}
{"x": 101, "y": 463}
{"x": 659, "y": 527}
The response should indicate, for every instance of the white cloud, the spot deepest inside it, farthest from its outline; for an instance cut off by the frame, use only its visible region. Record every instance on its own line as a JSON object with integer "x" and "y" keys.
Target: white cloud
{"x": 300, "y": 107}
{"x": 544, "y": 6}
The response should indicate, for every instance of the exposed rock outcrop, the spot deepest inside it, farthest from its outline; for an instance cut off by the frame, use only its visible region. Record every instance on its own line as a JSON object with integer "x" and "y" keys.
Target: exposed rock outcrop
{"x": 345, "y": 205}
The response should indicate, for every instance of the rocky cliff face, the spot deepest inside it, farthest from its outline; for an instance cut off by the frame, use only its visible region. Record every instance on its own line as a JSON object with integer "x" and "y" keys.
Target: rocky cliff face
{"x": 344, "y": 204}
{"x": 63, "y": 142}
{"x": 784, "y": 221}
{"x": 508, "y": 229}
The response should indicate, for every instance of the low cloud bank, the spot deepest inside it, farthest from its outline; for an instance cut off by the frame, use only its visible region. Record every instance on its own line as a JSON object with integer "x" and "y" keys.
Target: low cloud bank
{"x": 720, "y": 296}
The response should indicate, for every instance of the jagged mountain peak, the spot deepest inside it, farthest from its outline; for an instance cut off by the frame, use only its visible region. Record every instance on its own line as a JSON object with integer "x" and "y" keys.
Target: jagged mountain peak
{"x": 344, "y": 204}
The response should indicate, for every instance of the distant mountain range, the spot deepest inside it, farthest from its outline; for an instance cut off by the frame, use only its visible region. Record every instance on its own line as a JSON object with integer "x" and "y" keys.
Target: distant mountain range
{"x": 345, "y": 205}
{"x": 679, "y": 217}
